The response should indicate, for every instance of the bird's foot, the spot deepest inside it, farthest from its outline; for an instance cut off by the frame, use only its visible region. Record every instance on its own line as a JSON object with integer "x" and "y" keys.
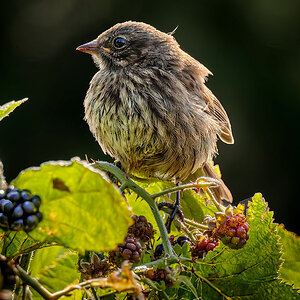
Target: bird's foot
{"x": 175, "y": 210}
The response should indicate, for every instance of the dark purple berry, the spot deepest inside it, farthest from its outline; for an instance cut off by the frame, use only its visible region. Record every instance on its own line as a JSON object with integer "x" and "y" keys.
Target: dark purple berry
{"x": 36, "y": 200}
{"x": 18, "y": 212}
{"x": 181, "y": 240}
{"x": 4, "y": 220}
{"x": 6, "y": 206}
{"x": 28, "y": 207}
{"x": 159, "y": 250}
{"x": 13, "y": 196}
{"x": 25, "y": 195}
{"x": 31, "y": 222}
{"x": 39, "y": 216}
{"x": 17, "y": 225}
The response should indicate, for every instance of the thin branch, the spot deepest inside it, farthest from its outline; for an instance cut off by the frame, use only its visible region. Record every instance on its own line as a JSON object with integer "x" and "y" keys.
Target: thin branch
{"x": 196, "y": 224}
{"x": 194, "y": 185}
{"x": 33, "y": 283}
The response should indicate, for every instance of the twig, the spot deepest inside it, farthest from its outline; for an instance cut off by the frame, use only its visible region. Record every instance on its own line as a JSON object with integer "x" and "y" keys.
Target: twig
{"x": 194, "y": 185}
{"x": 196, "y": 224}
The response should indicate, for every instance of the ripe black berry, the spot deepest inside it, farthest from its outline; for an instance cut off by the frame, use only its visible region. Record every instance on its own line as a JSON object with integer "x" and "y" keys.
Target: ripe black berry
{"x": 181, "y": 240}
{"x": 159, "y": 250}
{"x": 19, "y": 210}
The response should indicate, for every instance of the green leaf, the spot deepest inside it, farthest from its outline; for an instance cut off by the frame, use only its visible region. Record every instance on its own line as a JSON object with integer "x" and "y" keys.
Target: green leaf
{"x": 45, "y": 257}
{"x": 60, "y": 273}
{"x": 81, "y": 210}
{"x": 290, "y": 269}
{"x": 194, "y": 207}
{"x": 7, "y": 108}
{"x": 15, "y": 243}
{"x": 249, "y": 272}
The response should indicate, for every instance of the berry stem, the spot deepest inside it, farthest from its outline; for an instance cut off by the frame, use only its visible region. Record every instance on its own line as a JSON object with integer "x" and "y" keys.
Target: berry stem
{"x": 125, "y": 181}
{"x": 196, "y": 224}
{"x": 204, "y": 185}
{"x": 160, "y": 262}
{"x": 219, "y": 207}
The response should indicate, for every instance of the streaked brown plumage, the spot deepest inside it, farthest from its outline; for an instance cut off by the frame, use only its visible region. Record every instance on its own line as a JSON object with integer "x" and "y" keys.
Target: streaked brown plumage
{"x": 148, "y": 105}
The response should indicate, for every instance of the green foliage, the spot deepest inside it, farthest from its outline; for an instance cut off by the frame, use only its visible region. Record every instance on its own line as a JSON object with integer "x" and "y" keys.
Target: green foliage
{"x": 16, "y": 243}
{"x": 289, "y": 270}
{"x": 248, "y": 272}
{"x": 74, "y": 194}
{"x": 7, "y": 108}
{"x": 60, "y": 273}
{"x": 83, "y": 211}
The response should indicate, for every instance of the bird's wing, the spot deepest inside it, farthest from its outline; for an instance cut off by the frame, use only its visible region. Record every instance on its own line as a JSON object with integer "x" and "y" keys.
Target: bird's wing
{"x": 195, "y": 83}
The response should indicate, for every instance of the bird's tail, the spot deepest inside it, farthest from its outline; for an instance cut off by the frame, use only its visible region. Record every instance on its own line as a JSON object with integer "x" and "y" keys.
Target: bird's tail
{"x": 221, "y": 192}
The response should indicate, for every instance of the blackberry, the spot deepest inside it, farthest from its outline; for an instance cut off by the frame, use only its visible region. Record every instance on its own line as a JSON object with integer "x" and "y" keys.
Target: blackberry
{"x": 130, "y": 250}
{"x": 159, "y": 249}
{"x": 19, "y": 209}
{"x": 181, "y": 240}
{"x": 141, "y": 229}
{"x": 234, "y": 232}
{"x": 204, "y": 245}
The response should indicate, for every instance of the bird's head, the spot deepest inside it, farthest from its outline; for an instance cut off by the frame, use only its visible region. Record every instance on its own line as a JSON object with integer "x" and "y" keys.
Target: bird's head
{"x": 130, "y": 43}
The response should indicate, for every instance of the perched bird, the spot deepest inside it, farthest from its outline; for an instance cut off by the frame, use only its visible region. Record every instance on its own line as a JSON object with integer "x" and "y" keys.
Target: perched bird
{"x": 149, "y": 108}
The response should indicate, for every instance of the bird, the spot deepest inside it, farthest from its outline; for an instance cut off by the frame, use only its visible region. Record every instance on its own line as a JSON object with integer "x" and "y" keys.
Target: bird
{"x": 149, "y": 108}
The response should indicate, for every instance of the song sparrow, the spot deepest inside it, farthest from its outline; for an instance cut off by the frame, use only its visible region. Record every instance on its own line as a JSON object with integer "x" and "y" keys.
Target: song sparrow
{"x": 148, "y": 105}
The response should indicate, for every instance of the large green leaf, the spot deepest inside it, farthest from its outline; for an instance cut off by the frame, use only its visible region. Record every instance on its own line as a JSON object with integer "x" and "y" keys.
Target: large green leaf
{"x": 7, "y": 108}
{"x": 251, "y": 272}
{"x": 81, "y": 210}
{"x": 290, "y": 269}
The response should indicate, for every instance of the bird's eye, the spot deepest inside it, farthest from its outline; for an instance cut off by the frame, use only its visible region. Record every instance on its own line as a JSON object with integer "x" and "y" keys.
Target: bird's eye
{"x": 119, "y": 42}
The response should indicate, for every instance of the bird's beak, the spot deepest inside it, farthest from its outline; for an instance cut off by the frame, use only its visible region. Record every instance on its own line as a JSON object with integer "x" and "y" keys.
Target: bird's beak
{"x": 92, "y": 48}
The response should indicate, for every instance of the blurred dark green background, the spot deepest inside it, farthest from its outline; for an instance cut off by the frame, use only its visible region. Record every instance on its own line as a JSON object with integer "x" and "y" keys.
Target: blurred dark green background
{"x": 251, "y": 47}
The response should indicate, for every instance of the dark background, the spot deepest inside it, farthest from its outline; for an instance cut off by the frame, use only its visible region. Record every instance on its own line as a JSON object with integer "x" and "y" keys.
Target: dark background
{"x": 251, "y": 47}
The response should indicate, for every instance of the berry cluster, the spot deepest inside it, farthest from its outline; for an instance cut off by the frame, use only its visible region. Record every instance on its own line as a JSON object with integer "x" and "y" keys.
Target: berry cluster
{"x": 234, "y": 232}
{"x": 141, "y": 229}
{"x": 130, "y": 250}
{"x": 203, "y": 246}
{"x": 19, "y": 210}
